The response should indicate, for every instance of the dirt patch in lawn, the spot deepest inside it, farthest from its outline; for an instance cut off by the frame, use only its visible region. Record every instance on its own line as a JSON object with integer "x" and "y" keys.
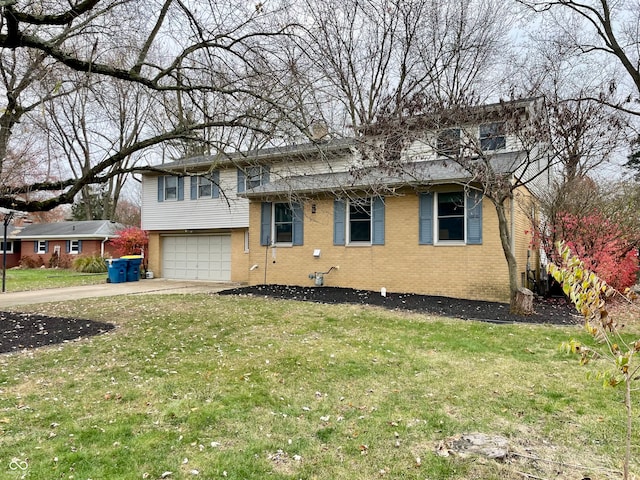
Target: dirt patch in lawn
{"x": 554, "y": 311}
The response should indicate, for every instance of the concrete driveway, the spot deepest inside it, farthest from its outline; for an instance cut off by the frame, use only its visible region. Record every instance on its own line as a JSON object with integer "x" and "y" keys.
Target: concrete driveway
{"x": 152, "y": 286}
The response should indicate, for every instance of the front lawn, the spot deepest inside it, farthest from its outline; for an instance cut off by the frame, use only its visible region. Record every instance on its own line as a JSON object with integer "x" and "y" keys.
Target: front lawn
{"x": 205, "y": 386}
{"x": 18, "y": 280}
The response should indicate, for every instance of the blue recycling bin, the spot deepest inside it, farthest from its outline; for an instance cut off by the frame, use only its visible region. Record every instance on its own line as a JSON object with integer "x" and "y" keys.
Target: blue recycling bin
{"x": 133, "y": 267}
{"x": 116, "y": 270}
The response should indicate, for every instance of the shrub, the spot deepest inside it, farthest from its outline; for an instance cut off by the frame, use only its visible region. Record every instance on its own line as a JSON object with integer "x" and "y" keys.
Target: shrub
{"x": 130, "y": 241}
{"x": 31, "y": 261}
{"x": 90, "y": 264}
{"x": 604, "y": 246}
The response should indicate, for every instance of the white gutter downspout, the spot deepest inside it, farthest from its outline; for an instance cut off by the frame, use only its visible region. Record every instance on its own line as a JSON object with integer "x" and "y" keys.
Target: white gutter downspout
{"x": 106, "y": 239}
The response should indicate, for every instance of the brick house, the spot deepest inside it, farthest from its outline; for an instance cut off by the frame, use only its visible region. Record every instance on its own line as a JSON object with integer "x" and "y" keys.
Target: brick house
{"x": 65, "y": 240}
{"x": 322, "y": 213}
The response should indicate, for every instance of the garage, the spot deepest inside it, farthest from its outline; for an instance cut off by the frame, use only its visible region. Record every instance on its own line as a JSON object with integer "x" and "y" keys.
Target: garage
{"x": 197, "y": 257}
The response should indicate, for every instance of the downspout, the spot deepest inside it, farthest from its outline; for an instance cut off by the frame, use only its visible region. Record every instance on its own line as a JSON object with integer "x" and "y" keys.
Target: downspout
{"x": 513, "y": 226}
{"x": 106, "y": 239}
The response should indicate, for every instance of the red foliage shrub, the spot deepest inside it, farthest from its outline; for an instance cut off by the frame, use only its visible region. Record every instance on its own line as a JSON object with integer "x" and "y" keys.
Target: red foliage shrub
{"x": 603, "y": 246}
{"x": 130, "y": 241}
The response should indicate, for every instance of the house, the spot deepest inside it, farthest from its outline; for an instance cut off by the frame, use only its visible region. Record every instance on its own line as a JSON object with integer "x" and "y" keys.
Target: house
{"x": 325, "y": 213}
{"x": 49, "y": 243}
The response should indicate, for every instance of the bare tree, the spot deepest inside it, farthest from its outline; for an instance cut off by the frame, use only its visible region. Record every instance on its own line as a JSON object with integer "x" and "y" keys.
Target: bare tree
{"x": 215, "y": 54}
{"x": 611, "y": 30}
{"x": 382, "y": 58}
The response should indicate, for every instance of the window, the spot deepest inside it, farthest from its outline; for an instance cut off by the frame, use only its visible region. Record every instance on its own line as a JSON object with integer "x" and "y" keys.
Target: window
{"x": 8, "y": 248}
{"x": 281, "y": 223}
{"x": 450, "y": 216}
{"x": 74, "y": 246}
{"x": 171, "y": 188}
{"x": 359, "y": 221}
{"x": 252, "y": 177}
{"x": 41, "y": 246}
{"x": 492, "y": 136}
{"x": 205, "y": 187}
{"x": 448, "y": 142}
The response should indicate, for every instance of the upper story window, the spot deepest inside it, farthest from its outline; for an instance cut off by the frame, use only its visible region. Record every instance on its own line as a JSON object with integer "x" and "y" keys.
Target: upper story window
{"x": 448, "y": 142}
{"x": 492, "y": 136}
{"x": 252, "y": 177}
{"x": 359, "y": 221}
{"x": 171, "y": 188}
{"x": 450, "y": 216}
{"x": 205, "y": 187}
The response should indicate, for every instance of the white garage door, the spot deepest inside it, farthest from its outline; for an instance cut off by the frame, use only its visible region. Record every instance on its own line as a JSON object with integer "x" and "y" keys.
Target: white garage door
{"x": 197, "y": 257}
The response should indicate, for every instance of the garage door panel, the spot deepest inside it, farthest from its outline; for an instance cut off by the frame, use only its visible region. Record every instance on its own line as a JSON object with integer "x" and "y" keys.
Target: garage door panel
{"x": 197, "y": 257}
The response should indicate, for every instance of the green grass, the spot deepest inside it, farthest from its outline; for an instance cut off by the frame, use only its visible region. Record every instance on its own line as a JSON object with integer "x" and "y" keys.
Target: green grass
{"x": 18, "y": 280}
{"x": 251, "y": 388}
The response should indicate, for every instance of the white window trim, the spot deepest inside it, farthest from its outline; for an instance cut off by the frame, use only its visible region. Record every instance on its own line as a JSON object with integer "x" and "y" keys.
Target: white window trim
{"x": 73, "y": 251}
{"x": 166, "y": 187}
{"x": 273, "y": 225}
{"x": 436, "y": 230}
{"x": 10, "y": 244}
{"x": 358, "y": 243}
{"x": 42, "y": 246}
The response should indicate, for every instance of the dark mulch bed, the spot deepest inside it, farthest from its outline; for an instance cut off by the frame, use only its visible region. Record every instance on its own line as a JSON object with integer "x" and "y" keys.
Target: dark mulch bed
{"x": 547, "y": 310}
{"x": 19, "y": 331}
{"x": 26, "y": 330}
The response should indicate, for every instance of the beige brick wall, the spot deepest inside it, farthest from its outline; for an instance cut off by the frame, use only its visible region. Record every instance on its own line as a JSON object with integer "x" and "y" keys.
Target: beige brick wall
{"x": 401, "y": 265}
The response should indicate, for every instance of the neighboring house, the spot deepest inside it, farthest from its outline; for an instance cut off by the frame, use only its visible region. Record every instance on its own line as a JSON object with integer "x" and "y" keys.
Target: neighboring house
{"x": 325, "y": 213}
{"x": 44, "y": 240}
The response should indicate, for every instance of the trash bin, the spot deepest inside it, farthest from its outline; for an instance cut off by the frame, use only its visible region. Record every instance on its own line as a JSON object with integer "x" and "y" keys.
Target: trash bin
{"x": 116, "y": 270}
{"x": 133, "y": 267}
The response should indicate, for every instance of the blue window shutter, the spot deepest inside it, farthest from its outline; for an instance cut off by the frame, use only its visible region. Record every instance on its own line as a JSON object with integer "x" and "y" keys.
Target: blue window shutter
{"x": 35, "y": 246}
{"x": 425, "y": 236}
{"x": 265, "y": 224}
{"x": 79, "y": 246}
{"x": 474, "y": 218}
{"x": 265, "y": 175}
{"x": 68, "y": 246}
{"x": 215, "y": 188}
{"x": 298, "y": 223}
{"x": 194, "y": 187}
{"x": 160, "y": 189}
{"x": 377, "y": 220}
{"x": 240, "y": 180}
{"x": 338, "y": 222}
{"x": 46, "y": 246}
{"x": 180, "y": 188}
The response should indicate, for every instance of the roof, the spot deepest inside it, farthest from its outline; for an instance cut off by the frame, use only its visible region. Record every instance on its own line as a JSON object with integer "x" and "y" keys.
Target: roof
{"x": 98, "y": 229}
{"x": 273, "y": 153}
{"x": 379, "y": 178}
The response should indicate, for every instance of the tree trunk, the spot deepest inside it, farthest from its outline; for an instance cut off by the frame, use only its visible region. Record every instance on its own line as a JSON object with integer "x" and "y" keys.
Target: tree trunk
{"x": 522, "y": 305}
